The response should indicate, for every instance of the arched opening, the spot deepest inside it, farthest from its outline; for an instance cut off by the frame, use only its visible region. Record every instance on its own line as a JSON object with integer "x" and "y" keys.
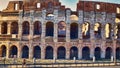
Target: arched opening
{"x": 49, "y": 29}
{"x": 26, "y": 28}
{"x": 97, "y": 30}
{"x": 25, "y": 52}
{"x": 108, "y": 31}
{"x": 97, "y": 53}
{"x": 74, "y": 52}
{"x": 74, "y": 31}
{"x": 13, "y": 51}
{"x": 14, "y": 28}
{"x": 86, "y": 53}
{"x": 3, "y": 51}
{"x": 37, "y": 28}
{"x": 61, "y": 53}
{"x": 61, "y": 29}
{"x": 86, "y": 30}
{"x": 37, "y": 52}
{"x": 4, "y": 28}
{"x": 118, "y": 53}
{"x": 49, "y": 53}
{"x": 108, "y": 53}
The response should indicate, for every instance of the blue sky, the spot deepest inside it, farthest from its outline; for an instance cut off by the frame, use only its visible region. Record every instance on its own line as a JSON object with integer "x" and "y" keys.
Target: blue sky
{"x": 69, "y": 3}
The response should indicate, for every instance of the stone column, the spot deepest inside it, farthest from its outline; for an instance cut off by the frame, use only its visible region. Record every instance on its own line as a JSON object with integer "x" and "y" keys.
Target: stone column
{"x": 80, "y": 53}
{"x": 20, "y": 31}
{"x": 55, "y": 32}
{"x": 67, "y": 52}
{"x": 43, "y": 32}
{"x": 9, "y": 28}
{"x": 30, "y": 52}
{"x": 103, "y": 54}
{"x": 92, "y": 32}
{"x": 80, "y": 31}
{"x": 103, "y": 31}
{"x": 8, "y": 50}
{"x": 55, "y": 51}
{"x": 68, "y": 33}
{"x": 0, "y": 28}
{"x": 43, "y": 52}
{"x": 19, "y": 52}
{"x": 92, "y": 52}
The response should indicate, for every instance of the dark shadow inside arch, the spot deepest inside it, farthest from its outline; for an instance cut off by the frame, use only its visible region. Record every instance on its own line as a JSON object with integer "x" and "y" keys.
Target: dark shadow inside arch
{"x": 26, "y": 28}
{"x": 74, "y": 31}
{"x": 37, "y": 28}
{"x": 14, "y": 28}
{"x": 118, "y": 53}
{"x": 13, "y": 52}
{"x": 4, "y": 28}
{"x": 97, "y": 53}
{"x": 49, "y": 53}
{"x": 49, "y": 29}
{"x": 25, "y": 52}
{"x": 3, "y": 51}
{"x": 37, "y": 52}
{"x": 86, "y": 53}
{"x": 108, "y": 53}
{"x": 61, "y": 53}
{"x": 118, "y": 32}
{"x": 74, "y": 53}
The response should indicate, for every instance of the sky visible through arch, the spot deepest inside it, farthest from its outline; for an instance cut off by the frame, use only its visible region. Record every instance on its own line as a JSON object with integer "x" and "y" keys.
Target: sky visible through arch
{"x": 69, "y": 3}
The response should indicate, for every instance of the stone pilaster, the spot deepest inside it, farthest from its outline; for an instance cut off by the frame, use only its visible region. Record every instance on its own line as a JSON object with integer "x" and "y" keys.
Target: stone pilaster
{"x": 43, "y": 52}
{"x": 9, "y": 28}
{"x": 55, "y": 51}
{"x": 80, "y": 32}
{"x": 0, "y": 28}
{"x": 43, "y": 32}
{"x": 92, "y": 53}
{"x": 8, "y": 50}
{"x": 103, "y": 54}
{"x": 67, "y": 53}
{"x": 103, "y": 31}
{"x": 92, "y": 32}
{"x": 30, "y": 52}
{"x": 20, "y": 31}
{"x": 68, "y": 33}
{"x": 55, "y": 32}
{"x": 19, "y": 51}
{"x": 80, "y": 53}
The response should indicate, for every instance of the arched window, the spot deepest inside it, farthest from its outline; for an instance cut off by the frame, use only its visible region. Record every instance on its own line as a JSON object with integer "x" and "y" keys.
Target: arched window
{"x": 14, "y": 28}
{"x": 86, "y": 30}
{"x": 61, "y": 53}
{"x": 38, "y": 5}
{"x": 49, "y": 53}
{"x": 61, "y": 29}
{"x": 3, "y": 51}
{"x": 13, "y": 52}
{"x": 86, "y": 53}
{"x": 118, "y": 53}
{"x": 49, "y": 29}
{"x": 97, "y": 53}
{"x": 25, "y": 52}
{"x": 37, "y": 52}
{"x": 74, "y": 31}
{"x": 4, "y": 28}
{"x": 97, "y": 30}
{"x": 37, "y": 28}
{"x": 74, "y": 53}
{"x": 118, "y": 31}
{"x": 108, "y": 53}
{"x": 26, "y": 28}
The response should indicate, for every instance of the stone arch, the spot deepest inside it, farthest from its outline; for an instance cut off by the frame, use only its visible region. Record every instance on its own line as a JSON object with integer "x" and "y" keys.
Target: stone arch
{"x": 97, "y": 30}
{"x": 74, "y": 52}
{"x": 14, "y": 28}
{"x": 118, "y": 53}
{"x": 108, "y": 53}
{"x": 4, "y": 28}
{"x": 13, "y": 51}
{"x": 61, "y": 52}
{"x": 97, "y": 53}
{"x": 73, "y": 30}
{"x": 37, "y": 28}
{"x": 3, "y": 50}
{"x": 25, "y": 52}
{"x": 86, "y": 53}
{"x": 49, "y": 29}
{"x": 86, "y": 30}
{"x": 25, "y": 28}
{"x": 61, "y": 29}
{"x": 37, "y": 52}
{"x": 108, "y": 28}
{"x": 49, "y": 52}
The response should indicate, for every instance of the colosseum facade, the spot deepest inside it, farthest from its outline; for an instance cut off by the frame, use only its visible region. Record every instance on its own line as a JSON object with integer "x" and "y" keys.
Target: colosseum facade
{"x": 45, "y": 29}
